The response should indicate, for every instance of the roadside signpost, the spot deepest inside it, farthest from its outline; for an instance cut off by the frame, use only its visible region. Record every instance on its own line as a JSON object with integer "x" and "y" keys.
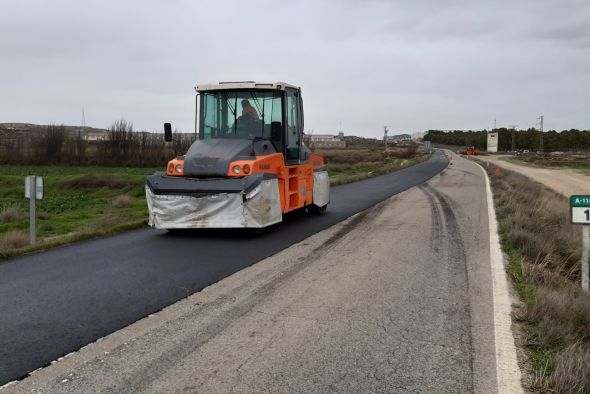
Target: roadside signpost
{"x": 33, "y": 191}
{"x": 580, "y": 208}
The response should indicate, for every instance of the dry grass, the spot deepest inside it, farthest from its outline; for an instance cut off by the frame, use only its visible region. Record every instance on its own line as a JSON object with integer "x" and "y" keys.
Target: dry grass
{"x": 351, "y": 165}
{"x": 11, "y": 214}
{"x": 351, "y": 156}
{"x": 563, "y": 313}
{"x": 12, "y": 240}
{"x": 536, "y": 220}
{"x": 535, "y": 227}
{"x": 359, "y": 157}
{"x": 571, "y": 373}
{"x": 122, "y": 201}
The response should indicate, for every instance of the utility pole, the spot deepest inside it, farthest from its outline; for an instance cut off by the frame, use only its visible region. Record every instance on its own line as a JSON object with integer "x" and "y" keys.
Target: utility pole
{"x": 385, "y": 136}
{"x": 541, "y": 135}
{"x": 495, "y": 124}
{"x": 82, "y": 128}
{"x": 513, "y": 136}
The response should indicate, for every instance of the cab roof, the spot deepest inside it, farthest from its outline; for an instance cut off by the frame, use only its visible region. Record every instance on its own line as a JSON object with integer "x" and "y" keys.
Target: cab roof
{"x": 246, "y": 85}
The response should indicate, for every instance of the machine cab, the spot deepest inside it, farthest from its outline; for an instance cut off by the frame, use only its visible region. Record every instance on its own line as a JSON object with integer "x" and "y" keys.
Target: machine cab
{"x": 254, "y": 111}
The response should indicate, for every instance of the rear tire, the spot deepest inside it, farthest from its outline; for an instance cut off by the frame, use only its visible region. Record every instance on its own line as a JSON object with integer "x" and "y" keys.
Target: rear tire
{"x": 256, "y": 231}
{"x": 315, "y": 210}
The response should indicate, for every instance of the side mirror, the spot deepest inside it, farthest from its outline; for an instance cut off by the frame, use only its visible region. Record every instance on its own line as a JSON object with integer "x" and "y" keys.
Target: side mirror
{"x": 167, "y": 132}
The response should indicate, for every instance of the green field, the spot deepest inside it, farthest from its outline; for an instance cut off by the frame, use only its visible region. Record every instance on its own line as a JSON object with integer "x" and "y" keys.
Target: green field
{"x": 78, "y": 201}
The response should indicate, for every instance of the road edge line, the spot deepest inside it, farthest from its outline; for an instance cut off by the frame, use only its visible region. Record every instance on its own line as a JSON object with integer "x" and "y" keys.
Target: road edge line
{"x": 508, "y": 373}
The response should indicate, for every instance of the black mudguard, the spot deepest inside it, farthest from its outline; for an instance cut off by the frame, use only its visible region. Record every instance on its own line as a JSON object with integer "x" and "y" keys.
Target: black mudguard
{"x": 160, "y": 183}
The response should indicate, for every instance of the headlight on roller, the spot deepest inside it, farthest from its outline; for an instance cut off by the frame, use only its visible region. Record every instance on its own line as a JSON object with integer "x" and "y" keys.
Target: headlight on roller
{"x": 246, "y": 169}
{"x": 236, "y": 169}
{"x": 179, "y": 169}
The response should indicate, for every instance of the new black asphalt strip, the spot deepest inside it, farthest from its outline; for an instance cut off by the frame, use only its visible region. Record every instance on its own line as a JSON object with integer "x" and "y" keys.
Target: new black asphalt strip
{"x": 55, "y": 302}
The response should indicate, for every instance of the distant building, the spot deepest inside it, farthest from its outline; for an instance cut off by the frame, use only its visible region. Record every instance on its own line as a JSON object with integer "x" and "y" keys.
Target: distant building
{"x": 399, "y": 138}
{"x": 93, "y": 135}
{"x": 325, "y": 140}
{"x": 492, "y": 142}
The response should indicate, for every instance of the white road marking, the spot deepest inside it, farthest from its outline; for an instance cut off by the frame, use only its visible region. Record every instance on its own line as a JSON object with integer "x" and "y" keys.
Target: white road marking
{"x": 507, "y": 370}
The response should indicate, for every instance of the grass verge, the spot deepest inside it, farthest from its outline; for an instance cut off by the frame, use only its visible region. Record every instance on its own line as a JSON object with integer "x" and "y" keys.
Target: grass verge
{"x": 543, "y": 248}
{"x": 346, "y": 166}
{"x": 86, "y": 202}
{"x": 79, "y": 203}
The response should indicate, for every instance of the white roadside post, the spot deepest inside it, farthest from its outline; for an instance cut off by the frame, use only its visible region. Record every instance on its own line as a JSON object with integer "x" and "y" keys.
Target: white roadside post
{"x": 33, "y": 191}
{"x": 585, "y": 258}
{"x": 580, "y": 209}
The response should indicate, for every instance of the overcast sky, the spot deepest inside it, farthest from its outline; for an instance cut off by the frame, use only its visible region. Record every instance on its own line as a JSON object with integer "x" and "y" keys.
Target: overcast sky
{"x": 410, "y": 65}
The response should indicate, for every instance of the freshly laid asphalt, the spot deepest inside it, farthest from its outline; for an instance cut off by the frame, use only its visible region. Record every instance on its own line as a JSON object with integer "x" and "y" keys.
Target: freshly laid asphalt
{"x": 55, "y": 302}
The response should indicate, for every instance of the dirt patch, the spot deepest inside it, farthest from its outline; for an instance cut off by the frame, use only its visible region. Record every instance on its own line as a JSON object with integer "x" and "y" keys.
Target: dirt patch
{"x": 564, "y": 181}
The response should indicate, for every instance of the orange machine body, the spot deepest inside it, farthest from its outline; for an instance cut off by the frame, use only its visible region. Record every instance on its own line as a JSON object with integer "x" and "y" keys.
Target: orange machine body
{"x": 471, "y": 151}
{"x": 295, "y": 181}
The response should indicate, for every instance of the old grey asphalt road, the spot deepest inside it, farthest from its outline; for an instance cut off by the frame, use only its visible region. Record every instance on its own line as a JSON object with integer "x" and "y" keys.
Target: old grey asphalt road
{"x": 395, "y": 299}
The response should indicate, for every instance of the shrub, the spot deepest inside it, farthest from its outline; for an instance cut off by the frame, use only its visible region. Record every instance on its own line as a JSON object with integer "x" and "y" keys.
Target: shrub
{"x": 13, "y": 239}
{"x": 11, "y": 214}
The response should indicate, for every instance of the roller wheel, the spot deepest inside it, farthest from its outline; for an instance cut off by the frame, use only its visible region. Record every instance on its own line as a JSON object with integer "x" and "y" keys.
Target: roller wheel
{"x": 315, "y": 210}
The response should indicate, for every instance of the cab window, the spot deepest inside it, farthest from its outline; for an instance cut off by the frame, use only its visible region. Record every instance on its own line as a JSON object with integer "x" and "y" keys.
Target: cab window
{"x": 292, "y": 140}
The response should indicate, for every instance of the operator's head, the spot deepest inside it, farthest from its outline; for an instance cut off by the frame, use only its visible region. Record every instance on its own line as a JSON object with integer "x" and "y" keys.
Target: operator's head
{"x": 245, "y": 104}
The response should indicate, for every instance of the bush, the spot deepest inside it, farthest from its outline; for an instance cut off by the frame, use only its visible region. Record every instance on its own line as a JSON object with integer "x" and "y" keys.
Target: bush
{"x": 47, "y": 147}
{"x": 14, "y": 239}
{"x": 11, "y": 214}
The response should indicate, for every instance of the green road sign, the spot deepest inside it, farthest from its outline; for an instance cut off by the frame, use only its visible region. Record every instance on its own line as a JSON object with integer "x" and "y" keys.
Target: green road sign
{"x": 580, "y": 209}
{"x": 580, "y": 201}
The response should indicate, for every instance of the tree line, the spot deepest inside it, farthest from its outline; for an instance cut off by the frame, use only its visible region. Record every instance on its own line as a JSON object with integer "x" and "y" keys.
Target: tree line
{"x": 566, "y": 140}
{"x": 119, "y": 146}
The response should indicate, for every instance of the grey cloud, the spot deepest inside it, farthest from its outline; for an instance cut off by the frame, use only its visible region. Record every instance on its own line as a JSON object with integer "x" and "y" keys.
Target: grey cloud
{"x": 406, "y": 64}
